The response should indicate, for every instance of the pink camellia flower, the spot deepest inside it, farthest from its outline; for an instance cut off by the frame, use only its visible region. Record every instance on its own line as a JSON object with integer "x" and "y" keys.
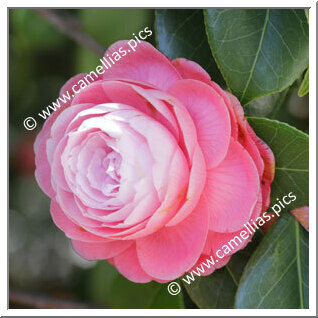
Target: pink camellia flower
{"x": 152, "y": 167}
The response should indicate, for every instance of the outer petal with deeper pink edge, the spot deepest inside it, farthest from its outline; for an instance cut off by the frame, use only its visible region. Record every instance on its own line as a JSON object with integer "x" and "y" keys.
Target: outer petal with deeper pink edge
{"x": 71, "y": 229}
{"x": 231, "y": 190}
{"x": 191, "y": 70}
{"x": 146, "y": 64}
{"x": 100, "y": 250}
{"x": 171, "y": 251}
{"x": 210, "y": 117}
{"x": 128, "y": 265}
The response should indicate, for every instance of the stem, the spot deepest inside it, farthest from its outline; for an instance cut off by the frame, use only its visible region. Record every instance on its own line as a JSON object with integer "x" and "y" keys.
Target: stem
{"x": 20, "y": 299}
{"x": 68, "y": 25}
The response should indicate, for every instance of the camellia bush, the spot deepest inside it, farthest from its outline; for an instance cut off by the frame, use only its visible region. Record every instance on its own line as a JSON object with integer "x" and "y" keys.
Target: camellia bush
{"x": 182, "y": 166}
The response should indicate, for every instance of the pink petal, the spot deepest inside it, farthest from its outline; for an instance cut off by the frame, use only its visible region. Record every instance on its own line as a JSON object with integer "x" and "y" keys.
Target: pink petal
{"x": 231, "y": 190}
{"x": 231, "y": 240}
{"x": 258, "y": 206}
{"x": 158, "y": 110}
{"x": 210, "y": 116}
{"x": 46, "y": 142}
{"x": 204, "y": 268}
{"x": 191, "y": 70}
{"x": 108, "y": 91}
{"x": 176, "y": 180}
{"x": 110, "y": 261}
{"x": 71, "y": 229}
{"x": 100, "y": 250}
{"x": 216, "y": 240}
{"x": 69, "y": 206}
{"x": 188, "y": 135}
{"x": 259, "y": 151}
{"x": 170, "y": 252}
{"x": 302, "y": 215}
{"x": 269, "y": 166}
{"x": 43, "y": 168}
{"x": 116, "y": 233}
{"x": 244, "y": 137}
{"x": 127, "y": 264}
{"x": 146, "y": 64}
{"x": 164, "y": 158}
{"x": 195, "y": 187}
{"x": 225, "y": 96}
{"x": 67, "y": 88}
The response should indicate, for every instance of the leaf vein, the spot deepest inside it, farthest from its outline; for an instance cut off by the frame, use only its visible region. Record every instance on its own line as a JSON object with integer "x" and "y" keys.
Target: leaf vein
{"x": 257, "y": 54}
{"x": 278, "y": 280}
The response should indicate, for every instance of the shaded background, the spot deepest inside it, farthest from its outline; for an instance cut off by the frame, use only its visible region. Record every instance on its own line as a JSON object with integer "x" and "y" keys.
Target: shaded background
{"x": 44, "y": 271}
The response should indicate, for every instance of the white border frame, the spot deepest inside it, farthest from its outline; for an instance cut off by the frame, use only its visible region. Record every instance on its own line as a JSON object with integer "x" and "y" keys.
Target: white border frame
{"x": 163, "y": 312}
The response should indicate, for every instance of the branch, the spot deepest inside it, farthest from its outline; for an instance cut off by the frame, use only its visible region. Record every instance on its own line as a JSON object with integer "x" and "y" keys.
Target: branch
{"x": 69, "y": 26}
{"x": 25, "y": 300}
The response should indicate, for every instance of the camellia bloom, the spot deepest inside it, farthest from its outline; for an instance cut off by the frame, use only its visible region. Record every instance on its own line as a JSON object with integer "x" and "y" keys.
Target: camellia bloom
{"x": 152, "y": 167}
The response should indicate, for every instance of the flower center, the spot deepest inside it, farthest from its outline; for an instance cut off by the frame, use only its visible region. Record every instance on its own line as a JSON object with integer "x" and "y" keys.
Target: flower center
{"x": 111, "y": 164}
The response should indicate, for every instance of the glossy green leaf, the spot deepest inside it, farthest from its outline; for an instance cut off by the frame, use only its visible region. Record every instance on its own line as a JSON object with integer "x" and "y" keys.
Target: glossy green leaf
{"x": 218, "y": 289}
{"x": 181, "y": 33}
{"x": 267, "y": 106}
{"x": 259, "y": 52}
{"x": 291, "y": 150}
{"x": 304, "y": 87}
{"x": 214, "y": 291}
{"x": 276, "y": 275}
{"x": 285, "y": 106}
{"x": 307, "y": 14}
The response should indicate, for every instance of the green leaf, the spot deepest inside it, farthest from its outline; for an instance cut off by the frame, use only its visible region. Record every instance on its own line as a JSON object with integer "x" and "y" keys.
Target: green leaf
{"x": 276, "y": 275}
{"x": 181, "y": 33}
{"x": 107, "y": 288}
{"x": 214, "y": 291}
{"x": 218, "y": 289}
{"x": 291, "y": 150}
{"x": 100, "y": 278}
{"x": 259, "y": 52}
{"x": 285, "y": 106}
{"x": 126, "y": 294}
{"x": 304, "y": 87}
{"x": 164, "y": 300}
{"x": 307, "y": 14}
{"x": 266, "y": 106}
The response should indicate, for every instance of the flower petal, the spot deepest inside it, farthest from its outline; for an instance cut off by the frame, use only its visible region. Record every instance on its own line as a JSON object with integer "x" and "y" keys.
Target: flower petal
{"x": 210, "y": 116}
{"x": 71, "y": 229}
{"x": 231, "y": 190}
{"x": 302, "y": 215}
{"x": 191, "y": 70}
{"x": 144, "y": 63}
{"x": 205, "y": 267}
{"x": 100, "y": 250}
{"x": 170, "y": 252}
{"x": 128, "y": 265}
{"x": 269, "y": 167}
{"x": 196, "y": 185}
